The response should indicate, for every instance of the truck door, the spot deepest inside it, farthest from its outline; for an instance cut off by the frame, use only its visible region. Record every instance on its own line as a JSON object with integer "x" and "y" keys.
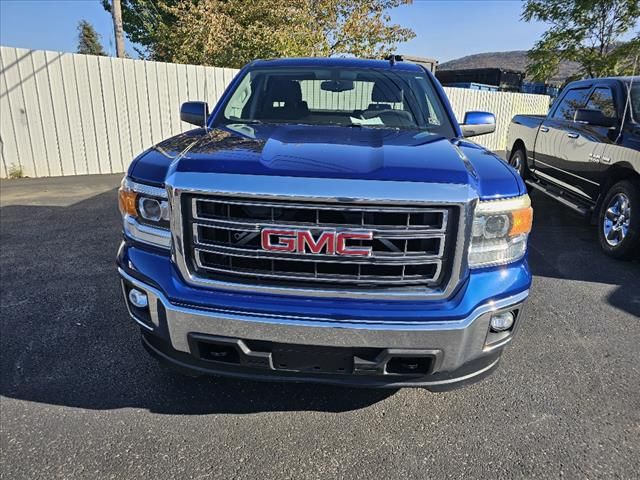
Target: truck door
{"x": 585, "y": 157}
{"x": 556, "y": 140}
{"x": 626, "y": 148}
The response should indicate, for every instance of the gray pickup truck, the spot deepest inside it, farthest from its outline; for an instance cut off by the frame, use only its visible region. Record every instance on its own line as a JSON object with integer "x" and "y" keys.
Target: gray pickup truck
{"x": 586, "y": 154}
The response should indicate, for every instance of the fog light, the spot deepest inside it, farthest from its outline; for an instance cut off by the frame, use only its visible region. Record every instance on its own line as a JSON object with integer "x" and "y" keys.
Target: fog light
{"x": 502, "y": 321}
{"x": 138, "y": 298}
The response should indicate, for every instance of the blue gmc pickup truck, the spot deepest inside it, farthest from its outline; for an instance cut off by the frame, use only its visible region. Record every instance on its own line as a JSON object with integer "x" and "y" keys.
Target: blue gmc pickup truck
{"x": 327, "y": 222}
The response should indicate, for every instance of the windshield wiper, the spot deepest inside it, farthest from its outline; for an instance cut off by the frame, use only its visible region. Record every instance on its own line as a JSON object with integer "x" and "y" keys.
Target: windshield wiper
{"x": 247, "y": 121}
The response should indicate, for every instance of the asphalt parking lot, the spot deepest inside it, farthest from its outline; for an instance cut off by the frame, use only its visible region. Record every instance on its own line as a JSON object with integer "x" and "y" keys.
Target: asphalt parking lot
{"x": 80, "y": 398}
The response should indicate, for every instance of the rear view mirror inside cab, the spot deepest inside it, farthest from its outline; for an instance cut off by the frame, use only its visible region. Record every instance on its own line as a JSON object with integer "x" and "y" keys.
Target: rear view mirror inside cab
{"x": 337, "y": 85}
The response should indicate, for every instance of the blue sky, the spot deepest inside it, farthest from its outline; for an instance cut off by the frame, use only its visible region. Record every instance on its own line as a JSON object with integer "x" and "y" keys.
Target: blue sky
{"x": 52, "y": 24}
{"x": 451, "y": 29}
{"x": 444, "y": 29}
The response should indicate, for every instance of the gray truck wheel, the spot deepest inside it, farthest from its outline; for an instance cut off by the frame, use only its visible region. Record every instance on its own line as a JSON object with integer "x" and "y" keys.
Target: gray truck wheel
{"x": 619, "y": 221}
{"x": 518, "y": 161}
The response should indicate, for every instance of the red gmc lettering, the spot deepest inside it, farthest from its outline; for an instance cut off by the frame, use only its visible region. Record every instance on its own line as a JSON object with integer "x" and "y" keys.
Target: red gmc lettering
{"x": 326, "y": 239}
{"x": 302, "y": 241}
{"x": 343, "y": 249}
{"x": 286, "y": 240}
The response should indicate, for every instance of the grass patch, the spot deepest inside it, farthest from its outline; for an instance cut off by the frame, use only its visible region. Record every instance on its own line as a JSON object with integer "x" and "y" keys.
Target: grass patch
{"x": 15, "y": 171}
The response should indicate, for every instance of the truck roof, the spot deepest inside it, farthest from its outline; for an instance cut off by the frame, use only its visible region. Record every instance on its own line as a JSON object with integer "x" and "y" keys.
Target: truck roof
{"x": 337, "y": 62}
{"x": 590, "y": 81}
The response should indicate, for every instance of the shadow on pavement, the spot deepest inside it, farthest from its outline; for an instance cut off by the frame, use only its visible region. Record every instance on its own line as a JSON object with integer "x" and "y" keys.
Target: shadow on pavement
{"x": 564, "y": 245}
{"x": 66, "y": 339}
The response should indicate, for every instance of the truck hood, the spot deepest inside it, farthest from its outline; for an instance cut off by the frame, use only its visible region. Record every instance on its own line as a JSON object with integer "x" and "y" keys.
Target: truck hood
{"x": 329, "y": 152}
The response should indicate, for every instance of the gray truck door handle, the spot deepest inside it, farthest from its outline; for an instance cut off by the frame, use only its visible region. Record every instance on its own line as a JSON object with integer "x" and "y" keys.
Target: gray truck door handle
{"x": 544, "y": 129}
{"x": 572, "y": 135}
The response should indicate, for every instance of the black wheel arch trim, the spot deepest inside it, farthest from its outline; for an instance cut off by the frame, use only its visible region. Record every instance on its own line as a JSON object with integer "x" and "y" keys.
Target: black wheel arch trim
{"x": 616, "y": 173}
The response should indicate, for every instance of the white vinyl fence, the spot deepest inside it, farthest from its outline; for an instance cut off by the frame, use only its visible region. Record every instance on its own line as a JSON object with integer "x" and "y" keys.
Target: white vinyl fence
{"x": 504, "y": 105}
{"x": 71, "y": 114}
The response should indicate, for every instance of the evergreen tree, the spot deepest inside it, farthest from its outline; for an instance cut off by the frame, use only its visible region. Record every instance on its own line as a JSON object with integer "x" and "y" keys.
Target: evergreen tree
{"x": 89, "y": 40}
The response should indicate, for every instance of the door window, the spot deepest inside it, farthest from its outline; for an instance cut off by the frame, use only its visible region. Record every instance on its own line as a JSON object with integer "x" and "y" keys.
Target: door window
{"x": 574, "y": 99}
{"x": 601, "y": 99}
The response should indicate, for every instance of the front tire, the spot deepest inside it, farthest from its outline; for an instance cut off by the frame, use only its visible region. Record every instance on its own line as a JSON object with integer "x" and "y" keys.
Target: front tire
{"x": 619, "y": 221}
{"x": 518, "y": 161}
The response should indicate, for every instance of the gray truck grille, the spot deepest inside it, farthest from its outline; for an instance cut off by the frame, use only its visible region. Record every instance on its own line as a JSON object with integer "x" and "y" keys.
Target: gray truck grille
{"x": 223, "y": 242}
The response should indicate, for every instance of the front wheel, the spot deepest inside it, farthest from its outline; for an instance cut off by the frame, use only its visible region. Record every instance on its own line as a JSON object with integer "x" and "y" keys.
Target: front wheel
{"x": 518, "y": 160}
{"x": 619, "y": 221}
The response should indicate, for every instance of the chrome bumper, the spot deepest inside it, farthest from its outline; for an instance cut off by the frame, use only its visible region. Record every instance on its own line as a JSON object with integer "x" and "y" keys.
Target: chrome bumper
{"x": 457, "y": 343}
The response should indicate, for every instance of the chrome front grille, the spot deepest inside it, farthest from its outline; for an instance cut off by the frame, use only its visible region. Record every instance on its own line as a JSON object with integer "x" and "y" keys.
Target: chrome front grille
{"x": 409, "y": 245}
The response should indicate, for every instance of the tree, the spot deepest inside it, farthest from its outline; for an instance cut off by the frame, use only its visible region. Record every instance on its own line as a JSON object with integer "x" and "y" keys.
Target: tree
{"x": 89, "y": 40}
{"x": 142, "y": 20}
{"x": 357, "y": 27}
{"x": 585, "y": 31}
{"x": 229, "y": 33}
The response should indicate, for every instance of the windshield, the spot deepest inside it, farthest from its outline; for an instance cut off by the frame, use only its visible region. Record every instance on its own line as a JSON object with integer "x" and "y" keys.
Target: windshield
{"x": 367, "y": 98}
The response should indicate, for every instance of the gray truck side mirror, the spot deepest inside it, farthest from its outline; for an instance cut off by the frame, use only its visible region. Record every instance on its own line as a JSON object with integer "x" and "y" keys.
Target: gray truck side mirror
{"x": 195, "y": 113}
{"x": 478, "y": 123}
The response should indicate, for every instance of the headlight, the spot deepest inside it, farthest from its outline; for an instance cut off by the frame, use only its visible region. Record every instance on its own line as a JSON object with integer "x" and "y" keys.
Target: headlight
{"x": 500, "y": 231}
{"x": 153, "y": 209}
{"x": 145, "y": 213}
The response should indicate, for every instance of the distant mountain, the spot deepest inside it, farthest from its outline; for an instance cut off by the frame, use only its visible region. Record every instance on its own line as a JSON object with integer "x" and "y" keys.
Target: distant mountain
{"x": 513, "y": 60}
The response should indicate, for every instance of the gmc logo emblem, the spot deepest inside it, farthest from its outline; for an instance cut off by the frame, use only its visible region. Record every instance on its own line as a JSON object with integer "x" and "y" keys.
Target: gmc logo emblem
{"x": 302, "y": 241}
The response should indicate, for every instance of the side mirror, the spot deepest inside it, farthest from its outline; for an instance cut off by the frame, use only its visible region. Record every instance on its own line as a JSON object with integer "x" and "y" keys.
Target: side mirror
{"x": 478, "y": 123}
{"x": 195, "y": 113}
{"x": 593, "y": 117}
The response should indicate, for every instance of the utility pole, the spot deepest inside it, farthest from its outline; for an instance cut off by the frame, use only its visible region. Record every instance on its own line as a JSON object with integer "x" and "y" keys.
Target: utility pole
{"x": 116, "y": 12}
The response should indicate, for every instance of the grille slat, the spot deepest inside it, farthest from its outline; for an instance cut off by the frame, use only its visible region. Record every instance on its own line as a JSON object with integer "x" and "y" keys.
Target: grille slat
{"x": 253, "y": 226}
{"x": 389, "y": 259}
{"x": 433, "y": 247}
{"x": 325, "y": 277}
{"x": 408, "y": 245}
{"x": 315, "y": 206}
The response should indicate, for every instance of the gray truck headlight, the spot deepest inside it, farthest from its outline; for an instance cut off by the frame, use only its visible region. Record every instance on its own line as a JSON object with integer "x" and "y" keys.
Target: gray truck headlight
{"x": 500, "y": 231}
{"x": 145, "y": 213}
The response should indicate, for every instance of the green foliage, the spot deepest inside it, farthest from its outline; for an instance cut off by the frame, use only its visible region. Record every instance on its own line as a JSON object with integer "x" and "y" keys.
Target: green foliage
{"x": 15, "y": 171}
{"x": 89, "y": 40}
{"x": 356, "y": 27}
{"x": 229, "y": 33}
{"x": 584, "y": 31}
{"x": 142, "y": 21}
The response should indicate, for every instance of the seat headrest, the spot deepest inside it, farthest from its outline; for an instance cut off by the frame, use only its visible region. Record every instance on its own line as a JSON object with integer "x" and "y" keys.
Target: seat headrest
{"x": 386, "y": 92}
{"x": 287, "y": 91}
